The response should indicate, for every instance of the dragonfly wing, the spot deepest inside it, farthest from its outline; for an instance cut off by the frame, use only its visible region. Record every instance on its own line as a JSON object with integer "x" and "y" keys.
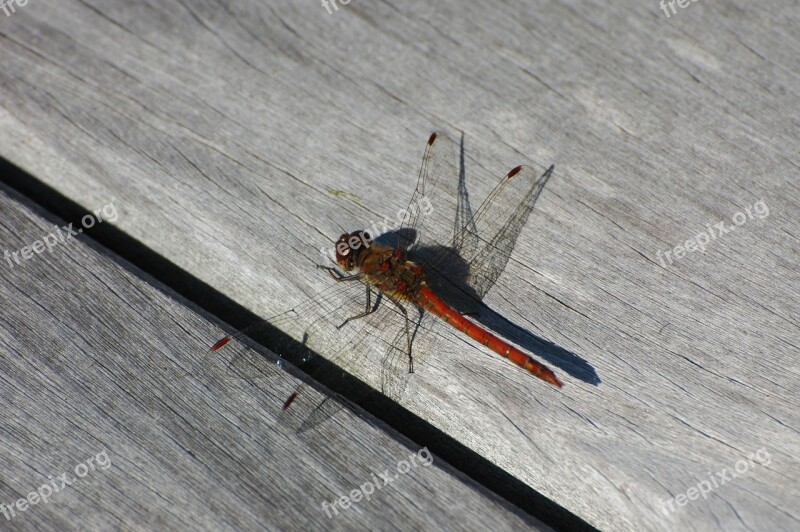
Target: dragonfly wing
{"x": 463, "y": 274}
{"x": 437, "y": 209}
{"x": 321, "y": 326}
{"x": 297, "y": 335}
{"x": 308, "y": 409}
{"x": 396, "y": 368}
{"x": 497, "y": 225}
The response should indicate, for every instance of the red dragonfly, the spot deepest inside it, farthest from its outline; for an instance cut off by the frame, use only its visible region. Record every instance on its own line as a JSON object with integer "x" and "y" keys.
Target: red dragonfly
{"x": 439, "y": 261}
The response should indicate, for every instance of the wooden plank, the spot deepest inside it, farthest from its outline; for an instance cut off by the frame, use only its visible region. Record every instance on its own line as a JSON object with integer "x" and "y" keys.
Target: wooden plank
{"x": 228, "y": 134}
{"x": 92, "y": 359}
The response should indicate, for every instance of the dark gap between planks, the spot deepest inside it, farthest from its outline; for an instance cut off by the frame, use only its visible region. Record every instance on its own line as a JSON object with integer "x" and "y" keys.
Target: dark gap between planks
{"x": 236, "y": 317}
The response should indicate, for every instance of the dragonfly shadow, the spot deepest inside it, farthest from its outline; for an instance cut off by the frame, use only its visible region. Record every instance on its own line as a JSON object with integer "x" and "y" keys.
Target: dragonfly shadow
{"x": 556, "y": 355}
{"x": 482, "y": 243}
{"x": 454, "y": 288}
{"x": 113, "y": 244}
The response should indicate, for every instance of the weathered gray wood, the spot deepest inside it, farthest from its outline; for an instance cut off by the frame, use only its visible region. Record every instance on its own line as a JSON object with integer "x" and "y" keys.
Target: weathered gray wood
{"x": 226, "y": 132}
{"x": 92, "y": 360}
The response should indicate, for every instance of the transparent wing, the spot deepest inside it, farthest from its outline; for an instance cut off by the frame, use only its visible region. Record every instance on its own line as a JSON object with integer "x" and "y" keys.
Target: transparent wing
{"x": 463, "y": 254}
{"x": 439, "y": 206}
{"x": 396, "y": 367}
{"x": 327, "y": 324}
{"x": 462, "y": 249}
{"x": 463, "y": 270}
{"x": 293, "y": 334}
{"x": 497, "y": 224}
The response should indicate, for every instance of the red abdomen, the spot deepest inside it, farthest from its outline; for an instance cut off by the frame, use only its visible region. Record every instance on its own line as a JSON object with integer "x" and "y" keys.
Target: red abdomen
{"x": 433, "y": 304}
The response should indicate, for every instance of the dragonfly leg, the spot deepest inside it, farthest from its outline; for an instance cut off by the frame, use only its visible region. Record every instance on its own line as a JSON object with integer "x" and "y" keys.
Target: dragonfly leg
{"x": 408, "y": 334}
{"x": 367, "y": 311}
{"x": 337, "y": 277}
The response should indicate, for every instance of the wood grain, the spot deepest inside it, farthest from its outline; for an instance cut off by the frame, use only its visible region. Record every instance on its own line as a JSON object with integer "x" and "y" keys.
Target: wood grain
{"x": 93, "y": 360}
{"x": 240, "y": 139}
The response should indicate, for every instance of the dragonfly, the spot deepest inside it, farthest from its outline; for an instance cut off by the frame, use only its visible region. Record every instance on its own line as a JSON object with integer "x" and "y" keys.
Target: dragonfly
{"x": 405, "y": 292}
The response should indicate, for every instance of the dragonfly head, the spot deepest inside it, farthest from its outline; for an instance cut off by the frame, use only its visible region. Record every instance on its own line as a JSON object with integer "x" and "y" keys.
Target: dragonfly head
{"x": 349, "y": 247}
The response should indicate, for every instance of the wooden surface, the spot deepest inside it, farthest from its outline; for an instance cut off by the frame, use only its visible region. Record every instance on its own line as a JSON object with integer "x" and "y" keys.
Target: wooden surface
{"x": 93, "y": 357}
{"x": 238, "y": 140}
